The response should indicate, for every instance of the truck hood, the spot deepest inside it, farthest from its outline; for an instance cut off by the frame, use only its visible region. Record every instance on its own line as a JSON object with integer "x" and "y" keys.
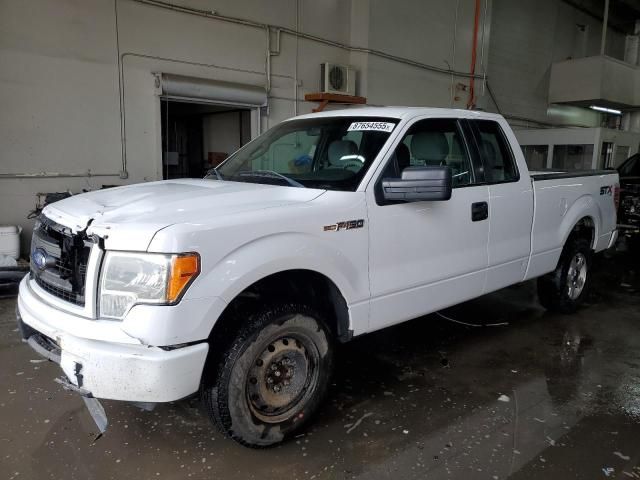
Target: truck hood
{"x": 128, "y": 217}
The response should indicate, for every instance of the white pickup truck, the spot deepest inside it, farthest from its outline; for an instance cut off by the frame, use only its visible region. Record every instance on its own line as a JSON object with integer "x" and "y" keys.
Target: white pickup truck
{"x": 326, "y": 227}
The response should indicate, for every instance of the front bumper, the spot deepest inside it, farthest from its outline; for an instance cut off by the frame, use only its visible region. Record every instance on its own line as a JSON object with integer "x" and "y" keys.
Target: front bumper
{"x": 128, "y": 371}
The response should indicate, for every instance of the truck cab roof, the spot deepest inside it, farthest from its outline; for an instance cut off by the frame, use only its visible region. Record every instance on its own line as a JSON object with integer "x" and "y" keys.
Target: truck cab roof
{"x": 403, "y": 113}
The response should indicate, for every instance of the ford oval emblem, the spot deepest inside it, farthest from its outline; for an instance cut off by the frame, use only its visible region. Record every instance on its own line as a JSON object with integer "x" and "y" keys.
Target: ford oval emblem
{"x": 41, "y": 260}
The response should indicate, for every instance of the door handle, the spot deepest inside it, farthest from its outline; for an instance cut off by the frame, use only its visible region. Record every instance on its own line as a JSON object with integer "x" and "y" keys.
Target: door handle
{"x": 479, "y": 211}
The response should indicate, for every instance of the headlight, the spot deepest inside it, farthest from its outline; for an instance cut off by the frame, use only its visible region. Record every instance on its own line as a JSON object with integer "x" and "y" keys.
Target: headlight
{"x": 131, "y": 278}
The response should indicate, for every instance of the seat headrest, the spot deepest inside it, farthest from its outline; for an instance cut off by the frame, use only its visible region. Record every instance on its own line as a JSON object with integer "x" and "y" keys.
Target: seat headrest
{"x": 339, "y": 149}
{"x": 489, "y": 151}
{"x": 430, "y": 146}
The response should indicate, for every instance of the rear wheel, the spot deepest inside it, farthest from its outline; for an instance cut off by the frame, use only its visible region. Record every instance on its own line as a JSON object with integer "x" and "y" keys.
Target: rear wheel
{"x": 564, "y": 289}
{"x": 273, "y": 376}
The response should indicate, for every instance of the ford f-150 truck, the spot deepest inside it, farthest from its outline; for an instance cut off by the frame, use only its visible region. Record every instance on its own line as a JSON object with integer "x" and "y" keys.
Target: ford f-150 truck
{"x": 327, "y": 226}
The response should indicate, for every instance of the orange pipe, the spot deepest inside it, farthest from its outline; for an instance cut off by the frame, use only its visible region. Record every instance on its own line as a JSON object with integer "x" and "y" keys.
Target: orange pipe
{"x": 472, "y": 94}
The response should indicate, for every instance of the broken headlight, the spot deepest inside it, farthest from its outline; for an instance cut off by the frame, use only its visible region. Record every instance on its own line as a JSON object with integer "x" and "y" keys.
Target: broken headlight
{"x": 132, "y": 278}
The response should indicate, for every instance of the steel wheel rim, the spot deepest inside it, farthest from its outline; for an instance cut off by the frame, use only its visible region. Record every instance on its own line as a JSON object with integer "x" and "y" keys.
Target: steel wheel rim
{"x": 282, "y": 378}
{"x": 576, "y": 276}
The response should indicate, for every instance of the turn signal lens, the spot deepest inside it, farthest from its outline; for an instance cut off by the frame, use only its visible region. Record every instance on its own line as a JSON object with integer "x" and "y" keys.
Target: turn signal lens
{"x": 184, "y": 269}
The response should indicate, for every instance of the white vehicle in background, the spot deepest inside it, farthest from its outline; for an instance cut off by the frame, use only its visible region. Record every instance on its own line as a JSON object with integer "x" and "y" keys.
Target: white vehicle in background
{"x": 326, "y": 227}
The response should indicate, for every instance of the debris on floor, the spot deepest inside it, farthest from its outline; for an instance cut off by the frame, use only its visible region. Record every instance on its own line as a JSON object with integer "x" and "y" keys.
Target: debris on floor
{"x": 358, "y": 422}
{"x": 623, "y": 457}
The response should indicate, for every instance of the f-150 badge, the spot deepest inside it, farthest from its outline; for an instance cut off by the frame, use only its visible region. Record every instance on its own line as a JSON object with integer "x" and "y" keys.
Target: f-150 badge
{"x": 346, "y": 225}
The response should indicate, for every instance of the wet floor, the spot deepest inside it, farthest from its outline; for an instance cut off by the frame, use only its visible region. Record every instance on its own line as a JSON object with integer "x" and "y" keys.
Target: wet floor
{"x": 544, "y": 396}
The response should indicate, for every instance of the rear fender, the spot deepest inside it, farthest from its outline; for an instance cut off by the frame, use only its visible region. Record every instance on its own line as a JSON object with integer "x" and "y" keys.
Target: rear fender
{"x": 584, "y": 206}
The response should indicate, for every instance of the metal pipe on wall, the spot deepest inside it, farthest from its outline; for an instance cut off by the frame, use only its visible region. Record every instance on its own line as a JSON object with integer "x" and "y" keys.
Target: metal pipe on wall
{"x": 306, "y": 36}
{"x": 474, "y": 47}
{"x": 123, "y": 173}
{"x": 295, "y": 63}
{"x": 87, "y": 174}
{"x": 453, "y": 56}
{"x": 239, "y": 21}
{"x": 484, "y": 28}
{"x": 267, "y": 68}
{"x": 605, "y": 22}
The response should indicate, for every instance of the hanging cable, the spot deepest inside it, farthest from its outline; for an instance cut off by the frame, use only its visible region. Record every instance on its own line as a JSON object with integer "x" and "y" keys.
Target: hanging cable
{"x": 449, "y": 319}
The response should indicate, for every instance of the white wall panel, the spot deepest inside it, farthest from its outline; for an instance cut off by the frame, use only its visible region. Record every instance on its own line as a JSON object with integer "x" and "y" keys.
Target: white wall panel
{"x": 527, "y": 37}
{"x": 59, "y": 76}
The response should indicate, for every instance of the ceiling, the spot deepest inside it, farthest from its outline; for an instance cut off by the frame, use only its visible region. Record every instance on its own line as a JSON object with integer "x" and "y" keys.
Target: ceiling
{"x": 622, "y": 13}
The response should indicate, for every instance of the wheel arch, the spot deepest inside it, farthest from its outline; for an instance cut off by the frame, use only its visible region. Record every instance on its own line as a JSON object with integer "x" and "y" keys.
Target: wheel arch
{"x": 582, "y": 218}
{"x": 294, "y": 286}
{"x": 584, "y": 228}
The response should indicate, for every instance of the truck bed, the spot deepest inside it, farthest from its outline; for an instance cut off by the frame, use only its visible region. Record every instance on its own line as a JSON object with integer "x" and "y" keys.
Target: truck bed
{"x": 561, "y": 200}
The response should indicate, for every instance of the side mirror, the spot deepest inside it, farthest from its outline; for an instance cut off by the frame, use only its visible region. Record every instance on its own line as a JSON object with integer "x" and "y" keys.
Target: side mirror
{"x": 419, "y": 184}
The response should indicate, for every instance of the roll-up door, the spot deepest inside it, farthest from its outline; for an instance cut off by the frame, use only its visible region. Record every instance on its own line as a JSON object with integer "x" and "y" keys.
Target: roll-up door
{"x": 178, "y": 87}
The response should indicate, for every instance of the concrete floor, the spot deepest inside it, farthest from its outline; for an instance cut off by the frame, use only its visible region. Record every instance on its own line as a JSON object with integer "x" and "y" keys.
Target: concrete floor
{"x": 545, "y": 395}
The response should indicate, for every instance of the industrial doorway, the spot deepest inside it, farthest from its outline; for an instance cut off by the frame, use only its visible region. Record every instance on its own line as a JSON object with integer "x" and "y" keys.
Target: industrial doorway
{"x": 204, "y": 121}
{"x": 197, "y": 137}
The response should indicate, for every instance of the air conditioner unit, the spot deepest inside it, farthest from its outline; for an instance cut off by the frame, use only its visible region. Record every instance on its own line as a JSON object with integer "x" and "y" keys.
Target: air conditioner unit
{"x": 340, "y": 79}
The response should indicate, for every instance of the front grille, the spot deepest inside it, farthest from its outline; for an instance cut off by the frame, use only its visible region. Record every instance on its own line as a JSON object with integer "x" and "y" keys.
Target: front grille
{"x": 60, "y": 292}
{"x": 67, "y": 255}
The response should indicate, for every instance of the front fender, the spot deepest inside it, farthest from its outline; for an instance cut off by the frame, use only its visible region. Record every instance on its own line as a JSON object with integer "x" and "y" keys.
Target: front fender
{"x": 279, "y": 252}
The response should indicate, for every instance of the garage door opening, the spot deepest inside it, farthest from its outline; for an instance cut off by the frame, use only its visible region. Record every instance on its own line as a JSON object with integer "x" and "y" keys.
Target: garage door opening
{"x": 197, "y": 137}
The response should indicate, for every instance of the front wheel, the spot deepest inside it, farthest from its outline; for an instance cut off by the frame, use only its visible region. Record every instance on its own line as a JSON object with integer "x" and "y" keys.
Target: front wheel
{"x": 564, "y": 289}
{"x": 273, "y": 376}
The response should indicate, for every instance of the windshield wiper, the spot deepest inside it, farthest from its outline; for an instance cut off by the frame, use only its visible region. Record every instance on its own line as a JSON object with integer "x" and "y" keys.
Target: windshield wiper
{"x": 272, "y": 174}
{"x": 214, "y": 170}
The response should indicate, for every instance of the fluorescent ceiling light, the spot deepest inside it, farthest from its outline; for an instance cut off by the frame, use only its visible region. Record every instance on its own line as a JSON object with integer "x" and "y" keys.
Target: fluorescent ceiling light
{"x": 606, "y": 110}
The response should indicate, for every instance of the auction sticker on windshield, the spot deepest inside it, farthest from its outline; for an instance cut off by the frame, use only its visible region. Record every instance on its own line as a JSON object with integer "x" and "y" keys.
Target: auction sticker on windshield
{"x": 371, "y": 126}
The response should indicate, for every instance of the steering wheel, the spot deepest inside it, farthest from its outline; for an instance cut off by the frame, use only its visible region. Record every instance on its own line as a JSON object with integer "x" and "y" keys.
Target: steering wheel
{"x": 352, "y": 165}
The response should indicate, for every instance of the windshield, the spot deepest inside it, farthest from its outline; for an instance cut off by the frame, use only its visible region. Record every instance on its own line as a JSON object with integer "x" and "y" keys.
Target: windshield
{"x": 332, "y": 153}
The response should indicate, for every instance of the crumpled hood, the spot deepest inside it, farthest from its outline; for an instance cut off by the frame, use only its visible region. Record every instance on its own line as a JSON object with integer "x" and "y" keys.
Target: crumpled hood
{"x": 128, "y": 217}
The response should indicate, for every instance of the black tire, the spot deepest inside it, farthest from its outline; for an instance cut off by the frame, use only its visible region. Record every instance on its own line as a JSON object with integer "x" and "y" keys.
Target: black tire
{"x": 273, "y": 376}
{"x": 555, "y": 289}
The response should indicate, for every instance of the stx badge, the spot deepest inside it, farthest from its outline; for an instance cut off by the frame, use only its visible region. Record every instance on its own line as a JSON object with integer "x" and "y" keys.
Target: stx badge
{"x": 605, "y": 190}
{"x": 346, "y": 225}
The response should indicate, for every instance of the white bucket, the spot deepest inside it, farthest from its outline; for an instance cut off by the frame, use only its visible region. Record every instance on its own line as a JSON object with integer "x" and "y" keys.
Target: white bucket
{"x": 10, "y": 241}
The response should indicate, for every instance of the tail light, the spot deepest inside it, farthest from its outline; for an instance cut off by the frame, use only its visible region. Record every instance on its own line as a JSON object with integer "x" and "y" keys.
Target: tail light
{"x": 616, "y": 196}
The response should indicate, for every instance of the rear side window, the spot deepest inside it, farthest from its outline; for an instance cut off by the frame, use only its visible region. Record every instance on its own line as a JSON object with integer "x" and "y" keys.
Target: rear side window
{"x": 497, "y": 157}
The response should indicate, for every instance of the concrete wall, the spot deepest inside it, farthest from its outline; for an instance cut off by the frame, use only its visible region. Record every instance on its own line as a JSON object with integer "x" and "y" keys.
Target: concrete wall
{"x": 61, "y": 85}
{"x": 527, "y": 36}
{"x": 77, "y": 87}
{"x": 432, "y": 32}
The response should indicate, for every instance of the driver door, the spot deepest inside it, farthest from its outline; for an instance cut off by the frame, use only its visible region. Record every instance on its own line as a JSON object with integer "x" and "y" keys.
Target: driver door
{"x": 428, "y": 255}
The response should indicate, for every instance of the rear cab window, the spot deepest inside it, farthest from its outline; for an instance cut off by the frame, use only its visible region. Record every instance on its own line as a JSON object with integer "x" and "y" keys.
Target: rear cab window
{"x": 495, "y": 152}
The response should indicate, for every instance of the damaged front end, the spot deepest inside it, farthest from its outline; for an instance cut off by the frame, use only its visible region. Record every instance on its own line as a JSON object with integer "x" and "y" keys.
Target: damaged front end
{"x": 58, "y": 264}
{"x": 61, "y": 316}
{"x": 59, "y": 260}
{"x": 49, "y": 349}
